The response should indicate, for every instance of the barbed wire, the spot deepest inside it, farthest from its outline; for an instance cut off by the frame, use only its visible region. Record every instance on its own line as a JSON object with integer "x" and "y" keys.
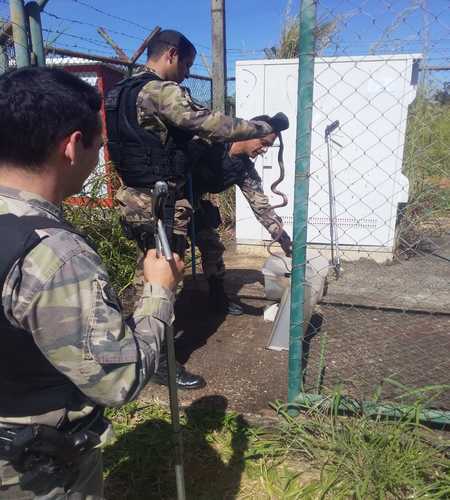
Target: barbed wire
{"x": 85, "y": 23}
{"x": 78, "y": 37}
{"x": 112, "y": 16}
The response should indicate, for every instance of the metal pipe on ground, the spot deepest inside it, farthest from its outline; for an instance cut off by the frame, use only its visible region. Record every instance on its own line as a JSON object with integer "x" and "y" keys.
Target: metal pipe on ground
{"x": 372, "y": 409}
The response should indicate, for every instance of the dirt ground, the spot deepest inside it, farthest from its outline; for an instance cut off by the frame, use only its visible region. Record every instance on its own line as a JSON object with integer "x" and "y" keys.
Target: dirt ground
{"x": 378, "y": 322}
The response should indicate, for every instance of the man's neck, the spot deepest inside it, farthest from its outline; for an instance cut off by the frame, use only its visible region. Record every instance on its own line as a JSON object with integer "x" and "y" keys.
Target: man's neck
{"x": 152, "y": 66}
{"x": 42, "y": 184}
{"x": 236, "y": 149}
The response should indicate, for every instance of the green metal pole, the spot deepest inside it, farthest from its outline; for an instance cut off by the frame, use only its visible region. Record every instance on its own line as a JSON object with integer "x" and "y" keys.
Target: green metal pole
{"x": 301, "y": 193}
{"x": 20, "y": 33}
{"x": 34, "y": 18}
{"x": 3, "y": 58}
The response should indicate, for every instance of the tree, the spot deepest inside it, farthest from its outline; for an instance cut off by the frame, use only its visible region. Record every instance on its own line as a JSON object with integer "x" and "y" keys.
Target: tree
{"x": 288, "y": 45}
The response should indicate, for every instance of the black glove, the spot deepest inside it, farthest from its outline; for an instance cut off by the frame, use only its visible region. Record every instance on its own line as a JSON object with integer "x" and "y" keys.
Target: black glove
{"x": 279, "y": 122}
{"x": 285, "y": 243}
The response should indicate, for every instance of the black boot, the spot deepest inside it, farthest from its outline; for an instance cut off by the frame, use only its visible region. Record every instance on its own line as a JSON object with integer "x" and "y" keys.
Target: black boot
{"x": 185, "y": 380}
{"x": 219, "y": 300}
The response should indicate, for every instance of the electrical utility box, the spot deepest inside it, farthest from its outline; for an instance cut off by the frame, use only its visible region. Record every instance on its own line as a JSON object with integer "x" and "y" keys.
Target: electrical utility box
{"x": 369, "y": 95}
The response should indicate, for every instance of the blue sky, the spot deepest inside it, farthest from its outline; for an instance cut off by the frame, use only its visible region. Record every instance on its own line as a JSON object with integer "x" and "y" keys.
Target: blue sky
{"x": 252, "y": 25}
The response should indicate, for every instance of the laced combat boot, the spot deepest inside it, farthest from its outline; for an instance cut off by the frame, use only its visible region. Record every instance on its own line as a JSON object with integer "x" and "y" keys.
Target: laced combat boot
{"x": 185, "y": 380}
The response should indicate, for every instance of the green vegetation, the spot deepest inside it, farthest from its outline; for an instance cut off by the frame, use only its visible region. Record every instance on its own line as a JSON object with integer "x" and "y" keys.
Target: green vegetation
{"x": 427, "y": 154}
{"x": 287, "y": 47}
{"x": 427, "y": 166}
{"x": 317, "y": 456}
{"x": 101, "y": 225}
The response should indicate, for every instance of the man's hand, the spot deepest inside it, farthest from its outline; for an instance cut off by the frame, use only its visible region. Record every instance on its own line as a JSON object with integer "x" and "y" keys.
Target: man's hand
{"x": 159, "y": 271}
{"x": 285, "y": 243}
{"x": 279, "y": 122}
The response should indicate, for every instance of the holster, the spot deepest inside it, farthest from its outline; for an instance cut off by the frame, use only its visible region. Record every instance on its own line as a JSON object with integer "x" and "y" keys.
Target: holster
{"x": 25, "y": 444}
{"x": 143, "y": 234}
{"x": 40, "y": 451}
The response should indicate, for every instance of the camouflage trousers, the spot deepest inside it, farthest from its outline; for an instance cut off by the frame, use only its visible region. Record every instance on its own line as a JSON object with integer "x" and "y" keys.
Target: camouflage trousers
{"x": 135, "y": 206}
{"x": 88, "y": 484}
{"x": 211, "y": 248}
{"x": 135, "y": 209}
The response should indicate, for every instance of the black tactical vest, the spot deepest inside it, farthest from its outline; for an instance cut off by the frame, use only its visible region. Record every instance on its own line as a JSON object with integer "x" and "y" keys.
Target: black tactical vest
{"x": 137, "y": 154}
{"x": 29, "y": 384}
{"x": 214, "y": 170}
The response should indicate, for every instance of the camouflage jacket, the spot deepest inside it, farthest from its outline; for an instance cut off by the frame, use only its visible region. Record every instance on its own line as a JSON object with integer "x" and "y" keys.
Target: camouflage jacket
{"x": 61, "y": 294}
{"x": 166, "y": 102}
{"x": 252, "y": 188}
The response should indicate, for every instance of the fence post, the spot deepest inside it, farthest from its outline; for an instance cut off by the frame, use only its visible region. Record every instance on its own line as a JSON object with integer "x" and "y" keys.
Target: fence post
{"x": 3, "y": 58}
{"x": 301, "y": 192}
{"x": 219, "y": 68}
{"x": 20, "y": 33}
{"x": 37, "y": 43}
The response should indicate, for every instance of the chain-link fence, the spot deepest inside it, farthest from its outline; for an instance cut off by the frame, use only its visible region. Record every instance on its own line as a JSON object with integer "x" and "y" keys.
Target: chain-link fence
{"x": 201, "y": 89}
{"x": 379, "y": 202}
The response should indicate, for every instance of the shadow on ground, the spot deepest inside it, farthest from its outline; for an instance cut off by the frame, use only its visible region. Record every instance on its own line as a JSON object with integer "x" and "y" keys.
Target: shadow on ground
{"x": 196, "y": 322}
{"x": 140, "y": 465}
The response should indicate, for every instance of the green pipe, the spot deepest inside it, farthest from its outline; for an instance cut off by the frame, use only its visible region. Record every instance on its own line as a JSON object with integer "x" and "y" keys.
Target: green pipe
{"x": 373, "y": 409}
{"x": 34, "y": 18}
{"x": 3, "y": 59}
{"x": 20, "y": 33}
{"x": 301, "y": 193}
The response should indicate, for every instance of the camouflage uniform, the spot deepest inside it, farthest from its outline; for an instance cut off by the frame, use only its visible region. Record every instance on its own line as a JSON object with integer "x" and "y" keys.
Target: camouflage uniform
{"x": 61, "y": 294}
{"x": 207, "y": 238}
{"x": 166, "y": 102}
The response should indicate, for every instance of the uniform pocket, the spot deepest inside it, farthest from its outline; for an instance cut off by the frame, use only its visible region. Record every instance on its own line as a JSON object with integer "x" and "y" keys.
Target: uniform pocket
{"x": 109, "y": 339}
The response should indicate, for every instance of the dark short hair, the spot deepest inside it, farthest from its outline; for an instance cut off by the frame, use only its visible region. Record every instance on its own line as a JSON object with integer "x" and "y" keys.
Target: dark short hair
{"x": 261, "y": 118}
{"x": 166, "y": 39}
{"x": 38, "y": 108}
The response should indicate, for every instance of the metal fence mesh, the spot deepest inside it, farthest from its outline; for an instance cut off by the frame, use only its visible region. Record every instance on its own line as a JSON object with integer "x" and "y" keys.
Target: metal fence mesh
{"x": 380, "y": 183}
{"x": 201, "y": 89}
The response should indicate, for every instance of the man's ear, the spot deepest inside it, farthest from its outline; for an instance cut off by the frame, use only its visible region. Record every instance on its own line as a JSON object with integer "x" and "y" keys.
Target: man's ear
{"x": 70, "y": 146}
{"x": 172, "y": 53}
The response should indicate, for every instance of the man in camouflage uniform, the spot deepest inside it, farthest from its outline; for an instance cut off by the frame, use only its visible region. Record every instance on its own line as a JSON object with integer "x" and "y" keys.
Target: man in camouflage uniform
{"x": 66, "y": 350}
{"x": 218, "y": 169}
{"x": 151, "y": 119}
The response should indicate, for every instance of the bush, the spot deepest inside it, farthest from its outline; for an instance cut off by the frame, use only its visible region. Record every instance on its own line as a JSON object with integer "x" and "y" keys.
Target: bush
{"x": 102, "y": 228}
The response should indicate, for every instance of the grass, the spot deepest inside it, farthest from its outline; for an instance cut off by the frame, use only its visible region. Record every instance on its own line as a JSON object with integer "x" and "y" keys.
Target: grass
{"x": 314, "y": 456}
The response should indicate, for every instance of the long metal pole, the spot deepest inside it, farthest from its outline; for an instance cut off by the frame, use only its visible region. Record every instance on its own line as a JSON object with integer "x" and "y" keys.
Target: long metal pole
{"x": 37, "y": 42}
{"x": 20, "y": 33}
{"x": 192, "y": 227}
{"x": 301, "y": 194}
{"x": 175, "y": 414}
{"x": 219, "y": 71}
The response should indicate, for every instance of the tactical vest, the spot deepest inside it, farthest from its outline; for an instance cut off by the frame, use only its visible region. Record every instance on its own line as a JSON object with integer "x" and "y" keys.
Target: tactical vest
{"x": 29, "y": 383}
{"x": 215, "y": 170}
{"x": 138, "y": 154}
